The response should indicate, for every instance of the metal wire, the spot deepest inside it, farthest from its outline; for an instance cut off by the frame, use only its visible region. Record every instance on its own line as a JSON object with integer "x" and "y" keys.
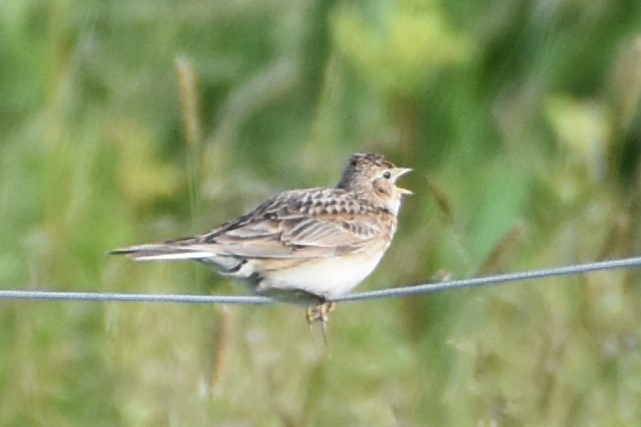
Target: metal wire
{"x": 109, "y": 296}
{"x": 397, "y": 292}
{"x": 494, "y": 280}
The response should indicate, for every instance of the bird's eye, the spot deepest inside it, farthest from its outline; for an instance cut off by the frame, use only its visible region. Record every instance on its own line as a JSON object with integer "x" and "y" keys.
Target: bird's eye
{"x": 387, "y": 175}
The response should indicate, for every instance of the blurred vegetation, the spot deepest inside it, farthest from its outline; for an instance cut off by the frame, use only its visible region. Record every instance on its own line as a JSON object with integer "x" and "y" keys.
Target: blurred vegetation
{"x": 125, "y": 122}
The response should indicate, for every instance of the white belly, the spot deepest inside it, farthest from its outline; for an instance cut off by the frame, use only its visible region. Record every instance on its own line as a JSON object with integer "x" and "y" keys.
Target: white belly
{"x": 328, "y": 277}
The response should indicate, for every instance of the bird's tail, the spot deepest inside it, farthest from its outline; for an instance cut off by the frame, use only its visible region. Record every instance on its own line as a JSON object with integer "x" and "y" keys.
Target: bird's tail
{"x": 163, "y": 252}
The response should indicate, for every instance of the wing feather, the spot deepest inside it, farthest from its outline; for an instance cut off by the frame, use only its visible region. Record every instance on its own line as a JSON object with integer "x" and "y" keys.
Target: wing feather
{"x": 325, "y": 223}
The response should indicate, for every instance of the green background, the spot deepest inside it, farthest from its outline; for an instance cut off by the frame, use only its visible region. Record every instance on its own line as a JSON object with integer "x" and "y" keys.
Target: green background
{"x": 124, "y": 122}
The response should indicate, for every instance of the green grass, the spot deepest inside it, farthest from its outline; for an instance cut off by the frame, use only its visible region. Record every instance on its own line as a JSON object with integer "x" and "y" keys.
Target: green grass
{"x": 125, "y": 122}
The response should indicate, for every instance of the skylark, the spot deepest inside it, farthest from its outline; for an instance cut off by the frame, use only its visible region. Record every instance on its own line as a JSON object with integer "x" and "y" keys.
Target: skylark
{"x": 303, "y": 246}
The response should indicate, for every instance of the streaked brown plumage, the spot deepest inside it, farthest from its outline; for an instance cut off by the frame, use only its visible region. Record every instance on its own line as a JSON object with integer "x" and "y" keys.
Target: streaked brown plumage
{"x": 302, "y": 245}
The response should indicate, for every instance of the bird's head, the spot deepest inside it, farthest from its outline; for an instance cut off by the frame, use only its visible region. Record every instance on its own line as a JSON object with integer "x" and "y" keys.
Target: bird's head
{"x": 372, "y": 173}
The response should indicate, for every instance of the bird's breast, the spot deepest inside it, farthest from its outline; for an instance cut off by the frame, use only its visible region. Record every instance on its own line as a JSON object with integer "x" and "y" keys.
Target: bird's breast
{"x": 327, "y": 276}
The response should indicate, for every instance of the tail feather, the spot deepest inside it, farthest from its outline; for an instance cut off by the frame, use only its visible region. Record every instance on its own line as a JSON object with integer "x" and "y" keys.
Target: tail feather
{"x": 162, "y": 252}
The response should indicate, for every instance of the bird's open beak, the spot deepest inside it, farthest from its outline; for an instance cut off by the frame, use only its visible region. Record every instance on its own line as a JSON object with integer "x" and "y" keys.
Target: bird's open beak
{"x": 399, "y": 172}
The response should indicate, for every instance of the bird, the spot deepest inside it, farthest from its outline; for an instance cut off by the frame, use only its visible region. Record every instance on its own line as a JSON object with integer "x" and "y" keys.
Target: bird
{"x": 302, "y": 246}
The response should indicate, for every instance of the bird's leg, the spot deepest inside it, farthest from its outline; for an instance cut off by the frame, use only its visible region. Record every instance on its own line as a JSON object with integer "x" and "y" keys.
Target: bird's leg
{"x": 325, "y": 309}
{"x": 320, "y": 313}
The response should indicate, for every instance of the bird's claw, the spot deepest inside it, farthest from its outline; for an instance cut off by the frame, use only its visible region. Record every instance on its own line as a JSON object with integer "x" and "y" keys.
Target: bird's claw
{"x": 320, "y": 313}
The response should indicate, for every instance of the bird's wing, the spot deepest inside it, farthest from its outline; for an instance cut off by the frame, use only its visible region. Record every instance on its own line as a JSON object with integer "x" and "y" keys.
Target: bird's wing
{"x": 297, "y": 227}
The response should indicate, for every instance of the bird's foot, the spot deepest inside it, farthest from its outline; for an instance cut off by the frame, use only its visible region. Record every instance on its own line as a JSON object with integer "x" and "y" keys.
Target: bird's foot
{"x": 320, "y": 313}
